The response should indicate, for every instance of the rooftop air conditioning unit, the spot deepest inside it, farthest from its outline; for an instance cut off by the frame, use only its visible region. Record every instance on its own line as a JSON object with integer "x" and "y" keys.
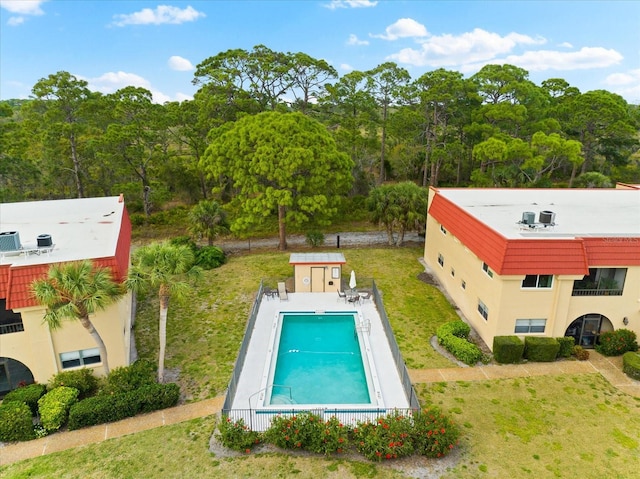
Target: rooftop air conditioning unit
{"x": 528, "y": 218}
{"x": 9, "y": 241}
{"x": 547, "y": 217}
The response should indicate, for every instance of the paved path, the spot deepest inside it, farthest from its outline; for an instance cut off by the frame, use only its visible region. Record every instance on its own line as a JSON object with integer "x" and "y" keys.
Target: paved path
{"x": 610, "y": 368}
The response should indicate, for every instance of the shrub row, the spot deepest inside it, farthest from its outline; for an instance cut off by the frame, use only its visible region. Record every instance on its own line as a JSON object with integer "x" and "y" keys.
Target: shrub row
{"x": 113, "y": 407}
{"x": 453, "y": 336}
{"x": 27, "y": 394}
{"x": 428, "y": 432}
{"x": 631, "y": 364}
{"x": 81, "y": 379}
{"x": 54, "y": 407}
{"x": 511, "y": 349}
{"x": 16, "y": 423}
{"x": 616, "y": 343}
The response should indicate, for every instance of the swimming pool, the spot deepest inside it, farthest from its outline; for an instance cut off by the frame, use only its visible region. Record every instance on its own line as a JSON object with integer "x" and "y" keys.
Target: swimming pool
{"x": 320, "y": 358}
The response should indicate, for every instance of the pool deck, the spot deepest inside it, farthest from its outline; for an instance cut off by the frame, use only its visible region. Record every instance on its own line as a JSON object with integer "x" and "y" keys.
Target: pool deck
{"x": 251, "y": 378}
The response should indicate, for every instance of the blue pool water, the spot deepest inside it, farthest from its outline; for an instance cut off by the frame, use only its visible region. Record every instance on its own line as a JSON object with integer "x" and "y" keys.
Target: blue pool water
{"x": 319, "y": 358}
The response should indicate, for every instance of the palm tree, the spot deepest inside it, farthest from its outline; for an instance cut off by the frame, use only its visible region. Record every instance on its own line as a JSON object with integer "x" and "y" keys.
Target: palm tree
{"x": 74, "y": 291}
{"x": 208, "y": 219}
{"x": 161, "y": 266}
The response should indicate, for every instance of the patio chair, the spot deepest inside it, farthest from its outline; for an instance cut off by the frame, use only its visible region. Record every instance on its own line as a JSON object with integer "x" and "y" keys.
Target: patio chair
{"x": 365, "y": 296}
{"x": 282, "y": 292}
{"x": 342, "y": 295}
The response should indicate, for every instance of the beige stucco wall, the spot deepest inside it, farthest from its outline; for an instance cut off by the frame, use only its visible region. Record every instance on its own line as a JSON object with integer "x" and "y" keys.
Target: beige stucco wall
{"x": 39, "y": 348}
{"x": 316, "y": 278}
{"x": 507, "y": 301}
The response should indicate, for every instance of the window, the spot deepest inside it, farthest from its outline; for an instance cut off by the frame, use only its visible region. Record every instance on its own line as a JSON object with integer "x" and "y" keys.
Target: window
{"x": 73, "y": 359}
{"x": 483, "y": 310}
{"x": 530, "y": 325}
{"x": 443, "y": 230}
{"x": 440, "y": 259}
{"x": 463, "y": 284}
{"x": 486, "y": 269}
{"x": 335, "y": 272}
{"x": 537, "y": 281}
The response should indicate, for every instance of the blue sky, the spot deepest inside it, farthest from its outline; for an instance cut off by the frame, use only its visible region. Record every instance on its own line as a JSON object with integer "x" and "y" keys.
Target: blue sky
{"x": 156, "y": 45}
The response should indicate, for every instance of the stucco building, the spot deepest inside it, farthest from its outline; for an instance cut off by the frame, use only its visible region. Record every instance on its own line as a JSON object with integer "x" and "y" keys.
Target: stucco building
{"x": 550, "y": 262}
{"x": 34, "y": 235}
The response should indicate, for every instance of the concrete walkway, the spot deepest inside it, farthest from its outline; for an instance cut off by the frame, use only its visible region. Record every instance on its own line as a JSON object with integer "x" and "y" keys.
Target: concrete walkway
{"x": 610, "y": 368}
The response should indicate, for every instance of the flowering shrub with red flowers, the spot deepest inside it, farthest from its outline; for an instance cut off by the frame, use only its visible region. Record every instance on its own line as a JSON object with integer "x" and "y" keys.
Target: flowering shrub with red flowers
{"x": 434, "y": 434}
{"x": 298, "y": 431}
{"x": 616, "y": 343}
{"x": 236, "y": 435}
{"x": 388, "y": 437}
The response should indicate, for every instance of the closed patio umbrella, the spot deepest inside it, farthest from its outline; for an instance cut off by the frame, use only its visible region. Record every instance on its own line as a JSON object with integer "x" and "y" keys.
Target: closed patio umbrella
{"x": 352, "y": 281}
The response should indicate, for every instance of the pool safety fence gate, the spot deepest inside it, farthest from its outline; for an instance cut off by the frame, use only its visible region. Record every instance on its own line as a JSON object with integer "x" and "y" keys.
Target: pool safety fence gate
{"x": 260, "y": 419}
{"x": 237, "y": 368}
{"x": 395, "y": 350}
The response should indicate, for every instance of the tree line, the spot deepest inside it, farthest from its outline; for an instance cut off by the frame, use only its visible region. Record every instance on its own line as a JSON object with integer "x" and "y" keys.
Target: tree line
{"x": 495, "y": 128}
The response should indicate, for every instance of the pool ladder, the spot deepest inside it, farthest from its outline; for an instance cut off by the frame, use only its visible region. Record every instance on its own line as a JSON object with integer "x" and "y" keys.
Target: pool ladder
{"x": 364, "y": 325}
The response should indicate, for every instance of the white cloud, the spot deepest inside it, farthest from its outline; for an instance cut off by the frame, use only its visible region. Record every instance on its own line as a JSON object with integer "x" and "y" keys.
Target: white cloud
{"x": 626, "y": 85}
{"x": 354, "y": 40}
{"x": 345, "y": 67}
{"x": 163, "y": 14}
{"x": 333, "y": 4}
{"x": 15, "y": 21}
{"x": 23, "y": 7}
{"x": 566, "y": 45}
{"x": 470, "y": 47}
{"x": 111, "y": 82}
{"x": 585, "y": 58}
{"x": 403, "y": 28}
{"x": 180, "y": 64}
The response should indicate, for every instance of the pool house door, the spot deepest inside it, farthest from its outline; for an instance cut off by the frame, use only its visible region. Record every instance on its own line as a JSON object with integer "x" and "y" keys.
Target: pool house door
{"x": 317, "y": 279}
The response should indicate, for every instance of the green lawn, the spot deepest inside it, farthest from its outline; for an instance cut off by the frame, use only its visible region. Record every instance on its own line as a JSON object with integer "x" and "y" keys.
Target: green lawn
{"x": 544, "y": 427}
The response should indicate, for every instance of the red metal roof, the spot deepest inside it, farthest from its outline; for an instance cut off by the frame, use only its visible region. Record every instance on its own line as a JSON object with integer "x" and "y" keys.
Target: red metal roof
{"x": 532, "y": 256}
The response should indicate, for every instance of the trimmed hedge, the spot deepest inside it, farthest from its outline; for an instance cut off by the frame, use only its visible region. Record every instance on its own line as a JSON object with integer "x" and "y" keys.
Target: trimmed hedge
{"x": 631, "y": 365}
{"x": 82, "y": 379}
{"x": 27, "y": 394}
{"x": 566, "y": 346}
{"x": 616, "y": 343}
{"x": 16, "y": 423}
{"x": 507, "y": 349}
{"x": 129, "y": 378}
{"x": 113, "y": 407}
{"x": 456, "y": 328}
{"x": 54, "y": 407}
{"x": 462, "y": 349}
{"x": 541, "y": 349}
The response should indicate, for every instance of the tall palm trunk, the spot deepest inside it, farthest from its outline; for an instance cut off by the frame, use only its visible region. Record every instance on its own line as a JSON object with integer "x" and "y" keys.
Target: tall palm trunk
{"x": 162, "y": 330}
{"x": 88, "y": 325}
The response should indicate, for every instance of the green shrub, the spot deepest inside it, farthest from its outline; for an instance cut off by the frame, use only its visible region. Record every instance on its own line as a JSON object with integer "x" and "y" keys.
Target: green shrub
{"x": 566, "y": 346}
{"x": 616, "y": 343}
{"x": 82, "y": 379}
{"x": 541, "y": 349}
{"x": 434, "y": 434}
{"x": 16, "y": 422}
{"x": 315, "y": 239}
{"x": 137, "y": 219}
{"x": 27, "y": 394}
{"x": 456, "y": 328}
{"x": 113, "y": 407}
{"x": 54, "y": 407}
{"x": 580, "y": 353}
{"x": 387, "y": 438}
{"x": 298, "y": 431}
{"x": 631, "y": 365}
{"x": 462, "y": 349}
{"x": 236, "y": 435}
{"x": 331, "y": 437}
{"x": 210, "y": 257}
{"x": 129, "y": 378}
{"x": 508, "y": 349}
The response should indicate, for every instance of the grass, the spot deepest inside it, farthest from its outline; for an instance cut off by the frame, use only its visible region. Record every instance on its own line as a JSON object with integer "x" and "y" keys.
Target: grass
{"x": 560, "y": 426}
{"x": 543, "y": 427}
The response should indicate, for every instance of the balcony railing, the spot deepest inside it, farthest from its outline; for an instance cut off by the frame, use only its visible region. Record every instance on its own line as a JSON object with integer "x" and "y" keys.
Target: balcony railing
{"x": 11, "y": 327}
{"x": 596, "y": 292}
